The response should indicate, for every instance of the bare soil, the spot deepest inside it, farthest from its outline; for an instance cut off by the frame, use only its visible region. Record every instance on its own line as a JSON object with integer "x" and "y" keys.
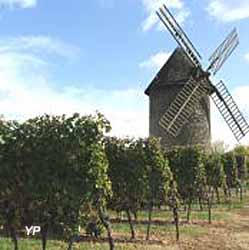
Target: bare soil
{"x": 229, "y": 235}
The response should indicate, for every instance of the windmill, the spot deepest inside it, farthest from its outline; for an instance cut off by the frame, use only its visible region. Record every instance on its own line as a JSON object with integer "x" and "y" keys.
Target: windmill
{"x": 199, "y": 84}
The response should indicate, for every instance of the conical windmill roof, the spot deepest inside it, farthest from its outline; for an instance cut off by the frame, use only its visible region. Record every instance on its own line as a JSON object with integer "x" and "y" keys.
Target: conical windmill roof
{"x": 176, "y": 70}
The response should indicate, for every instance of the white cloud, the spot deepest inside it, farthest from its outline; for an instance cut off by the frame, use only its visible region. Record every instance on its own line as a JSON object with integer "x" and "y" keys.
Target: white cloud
{"x": 229, "y": 10}
{"x": 247, "y": 57}
{"x": 39, "y": 44}
{"x": 18, "y": 3}
{"x": 156, "y": 61}
{"x": 220, "y": 130}
{"x": 152, "y": 5}
{"x": 26, "y": 91}
{"x": 182, "y": 15}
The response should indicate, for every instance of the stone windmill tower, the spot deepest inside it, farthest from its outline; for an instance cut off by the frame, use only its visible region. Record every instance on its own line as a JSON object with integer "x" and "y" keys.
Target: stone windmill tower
{"x": 179, "y": 94}
{"x": 163, "y": 90}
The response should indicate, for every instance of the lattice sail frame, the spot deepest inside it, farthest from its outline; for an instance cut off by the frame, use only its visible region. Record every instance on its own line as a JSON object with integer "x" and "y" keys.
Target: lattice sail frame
{"x": 179, "y": 35}
{"x": 220, "y": 55}
{"x": 184, "y": 105}
{"x": 230, "y": 111}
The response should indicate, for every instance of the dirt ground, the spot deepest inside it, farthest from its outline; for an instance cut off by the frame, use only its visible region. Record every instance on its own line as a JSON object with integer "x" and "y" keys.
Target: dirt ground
{"x": 229, "y": 235}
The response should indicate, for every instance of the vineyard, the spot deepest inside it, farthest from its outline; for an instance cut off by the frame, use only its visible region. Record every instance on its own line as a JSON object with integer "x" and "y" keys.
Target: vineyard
{"x": 87, "y": 190}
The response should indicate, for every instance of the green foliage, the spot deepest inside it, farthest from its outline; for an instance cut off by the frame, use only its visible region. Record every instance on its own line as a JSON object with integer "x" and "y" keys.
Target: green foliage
{"x": 215, "y": 170}
{"x": 61, "y": 172}
{"x": 242, "y": 159}
{"x": 53, "y": 166}
{"x": 241, "y": 150}
{"x": 158, "y": 174}
{"x": 140, "y": 175}
{"x": 127, "y": 173}
{"x": 187, "y": 166}
{"x": 231, "y": 170}
{"x": 138, "y": 171}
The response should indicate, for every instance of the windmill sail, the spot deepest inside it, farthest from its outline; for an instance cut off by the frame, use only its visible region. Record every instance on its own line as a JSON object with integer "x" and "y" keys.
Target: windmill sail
{"x": 221, "y": 54}
{"x": 183, "y": 106}
{"x": 230, "y": 111}
{"x": 179, "y": 35}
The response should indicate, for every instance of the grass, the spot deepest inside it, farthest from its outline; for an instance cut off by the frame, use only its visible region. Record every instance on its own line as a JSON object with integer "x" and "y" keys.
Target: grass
{"x": 29, "y": 244}
{"x": 166, "y": 216}
{"x": 54, "y": 245}
{"x": 159, "y": 230}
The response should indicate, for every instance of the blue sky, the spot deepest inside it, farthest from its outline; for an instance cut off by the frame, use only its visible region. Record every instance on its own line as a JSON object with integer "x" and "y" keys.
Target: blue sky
{"x": 66, "y": 56}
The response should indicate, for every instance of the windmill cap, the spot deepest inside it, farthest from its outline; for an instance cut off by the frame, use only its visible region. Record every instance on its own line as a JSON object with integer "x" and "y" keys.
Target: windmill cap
{"x": 176, "y": 71}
